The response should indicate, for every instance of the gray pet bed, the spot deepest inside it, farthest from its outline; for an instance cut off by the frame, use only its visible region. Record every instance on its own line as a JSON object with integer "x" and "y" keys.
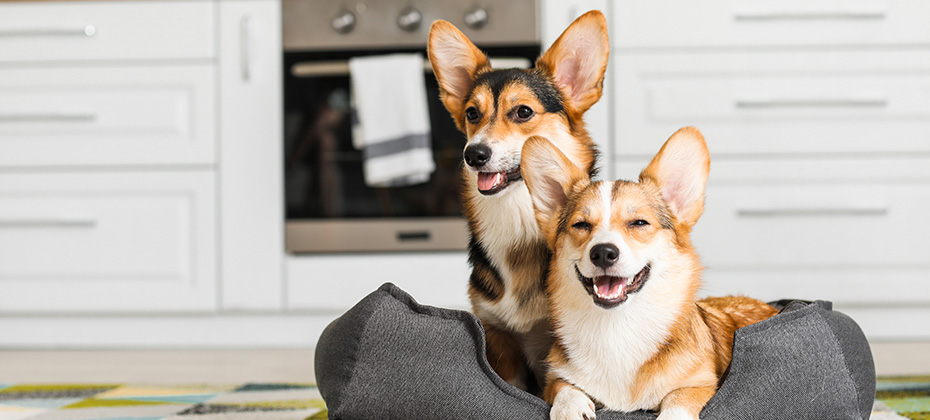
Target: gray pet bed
{"x": 392, "y": 358}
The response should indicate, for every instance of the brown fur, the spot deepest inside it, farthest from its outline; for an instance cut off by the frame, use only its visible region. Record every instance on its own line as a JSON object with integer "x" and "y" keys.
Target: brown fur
{"x": 508, "y": 360}
{"x": 465, "y": 79}
{"x": 685, "y": 368}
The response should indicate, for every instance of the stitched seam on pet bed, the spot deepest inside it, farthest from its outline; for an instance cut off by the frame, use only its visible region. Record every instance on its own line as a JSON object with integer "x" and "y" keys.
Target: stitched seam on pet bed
{"x": 744, "y": 333}
{"x": 845, "y": 361}
{"x": 368, "y": 312}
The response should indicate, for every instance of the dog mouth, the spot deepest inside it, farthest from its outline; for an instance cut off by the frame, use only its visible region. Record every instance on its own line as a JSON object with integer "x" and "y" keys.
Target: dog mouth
{"x": 610, "y": 291}
{"x": 490, "y": 183}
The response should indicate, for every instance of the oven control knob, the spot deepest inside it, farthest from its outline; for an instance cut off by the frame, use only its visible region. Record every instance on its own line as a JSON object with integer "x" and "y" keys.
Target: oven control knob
{"x": 476, "y": 18}
{"x": 344, "y": 22}
{"x": 409, "y": 19}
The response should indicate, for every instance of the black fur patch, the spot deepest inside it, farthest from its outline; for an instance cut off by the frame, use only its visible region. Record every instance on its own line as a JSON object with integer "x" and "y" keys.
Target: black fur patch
{"x": 484, "y": 277}
{"x": 548, "y": 95}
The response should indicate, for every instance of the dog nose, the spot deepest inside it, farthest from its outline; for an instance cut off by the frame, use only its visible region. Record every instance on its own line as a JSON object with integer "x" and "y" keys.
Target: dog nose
{"x": 604, "y": 255}
{"x": 477, "y": 155}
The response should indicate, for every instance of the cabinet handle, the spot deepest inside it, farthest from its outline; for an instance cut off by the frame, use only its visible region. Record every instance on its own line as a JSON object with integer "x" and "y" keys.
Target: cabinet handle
{"x": 245, "y": 53}
{"x": 56, "y": 222}
{"x": 861, "y": 11}
{"x": 812, "y": 103}
{"x": 812, "y": 212}
{"x": 48, "y": 117}
{"x": 86, "y": 30}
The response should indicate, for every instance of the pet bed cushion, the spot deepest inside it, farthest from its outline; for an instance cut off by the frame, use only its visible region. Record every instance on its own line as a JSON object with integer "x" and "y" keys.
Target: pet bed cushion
{"x": 392, "y": 358}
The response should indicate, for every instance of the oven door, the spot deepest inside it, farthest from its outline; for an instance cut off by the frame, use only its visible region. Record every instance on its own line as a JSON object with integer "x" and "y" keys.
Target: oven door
{"x": 329, "y": 206}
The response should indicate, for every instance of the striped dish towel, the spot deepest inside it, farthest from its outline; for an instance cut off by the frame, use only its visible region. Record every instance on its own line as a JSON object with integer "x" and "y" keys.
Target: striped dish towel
{"x": 391, "y": 125}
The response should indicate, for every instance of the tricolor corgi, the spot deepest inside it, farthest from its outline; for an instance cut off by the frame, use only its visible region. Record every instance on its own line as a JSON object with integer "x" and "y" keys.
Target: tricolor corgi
{"x": 498, "y": 110}
{"x": 622, "y": 284}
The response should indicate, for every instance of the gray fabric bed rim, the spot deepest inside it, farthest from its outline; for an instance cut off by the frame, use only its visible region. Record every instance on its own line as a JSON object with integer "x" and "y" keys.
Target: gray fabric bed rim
{"x": 391, "y": 358}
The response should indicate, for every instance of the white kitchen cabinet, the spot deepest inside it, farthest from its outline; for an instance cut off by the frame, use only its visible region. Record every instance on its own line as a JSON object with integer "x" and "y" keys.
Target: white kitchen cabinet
{"x": 802, "y": 24}
{"x": 776, "y": 103}
{"x": 251, "y": 184}
{"x": 140, "y": 147}
{"x": 107, "y": 242}
{"x": 340, "y": 281}
{"x": 816, "y": 115}
{"x": 113, "y": 115}
{"x": 62, "y": 32}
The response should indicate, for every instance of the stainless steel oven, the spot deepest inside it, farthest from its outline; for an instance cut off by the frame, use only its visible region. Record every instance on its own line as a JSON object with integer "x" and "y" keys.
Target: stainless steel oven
{"x": 329, "y": 206}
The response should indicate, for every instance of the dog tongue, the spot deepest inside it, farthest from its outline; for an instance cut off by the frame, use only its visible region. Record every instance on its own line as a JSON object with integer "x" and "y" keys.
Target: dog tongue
{"x": 487, "y": 181}
{"x": 608, "y": 286}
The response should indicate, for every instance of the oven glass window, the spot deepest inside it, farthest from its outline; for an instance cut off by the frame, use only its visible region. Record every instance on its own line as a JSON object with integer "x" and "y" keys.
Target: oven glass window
{"x": 324, "y": 178}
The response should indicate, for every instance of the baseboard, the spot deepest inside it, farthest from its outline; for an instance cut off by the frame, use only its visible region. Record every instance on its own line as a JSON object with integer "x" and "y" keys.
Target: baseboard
{"x": 163, "y": 332}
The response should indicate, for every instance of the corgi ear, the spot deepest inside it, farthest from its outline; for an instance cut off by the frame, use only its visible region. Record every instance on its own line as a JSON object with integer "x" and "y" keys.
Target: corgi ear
{"x": 456, "y": 62}
{"x": 680, "y": 169}
{"x": 578, "y": 59}
{"x": 550, "y": 177}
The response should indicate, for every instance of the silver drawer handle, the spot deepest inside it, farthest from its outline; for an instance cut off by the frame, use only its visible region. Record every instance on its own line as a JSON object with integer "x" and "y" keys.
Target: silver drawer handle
{"x": 60, "y": 222}
{"x": 812, "y": 103}
{"x": 847, "y": 10}
{"x": 812, "y": 212}
{"x": 245, "y": 52}
{"x": 87, "y": 31}
{"x": 48, "y": 117}
{"x": 825, "y": 15}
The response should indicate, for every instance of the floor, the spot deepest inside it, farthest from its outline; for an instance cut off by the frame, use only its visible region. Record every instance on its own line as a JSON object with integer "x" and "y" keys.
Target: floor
{"x": 156, "y": 367}
{"x": 289, "y": 366}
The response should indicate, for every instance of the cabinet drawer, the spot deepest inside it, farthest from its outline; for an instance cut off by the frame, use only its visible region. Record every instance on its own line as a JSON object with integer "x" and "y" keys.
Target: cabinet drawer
{"x": 107, "y": 242}
{"x": 775, "y": 104}
{"x": 110, "y": 30}
{"x": 816, "y": 226}
{"x": 312, "y": 284}
{"x": 853, "y": 244}
{"x": 117, "y": 116}
{"x": 744, "y": 23}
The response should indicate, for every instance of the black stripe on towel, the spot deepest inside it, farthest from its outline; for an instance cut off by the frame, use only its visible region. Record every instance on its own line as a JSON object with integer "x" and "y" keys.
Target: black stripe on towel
{"x": 399, "y": 145}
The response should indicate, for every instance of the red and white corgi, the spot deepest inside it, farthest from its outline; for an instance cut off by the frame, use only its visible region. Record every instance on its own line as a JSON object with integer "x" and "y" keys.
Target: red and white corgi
{"x": 498, "y": 110}
{"x": 622, "y": 284}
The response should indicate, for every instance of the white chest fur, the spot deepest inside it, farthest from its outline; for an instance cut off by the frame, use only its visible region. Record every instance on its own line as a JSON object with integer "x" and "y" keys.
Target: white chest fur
{"x": 606, "y": 348}
{"x": 507, "y": 221}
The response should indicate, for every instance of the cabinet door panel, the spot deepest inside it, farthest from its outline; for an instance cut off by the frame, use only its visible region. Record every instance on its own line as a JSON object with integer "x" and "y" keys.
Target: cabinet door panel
{"x": 776, "y": 104}
{"x": 107, "y": 30}
{"x": 81, "y": 242}
{"x": 251, "y": 194}
{"x": 107, "y": 116}
{"x": 772, "y": 23}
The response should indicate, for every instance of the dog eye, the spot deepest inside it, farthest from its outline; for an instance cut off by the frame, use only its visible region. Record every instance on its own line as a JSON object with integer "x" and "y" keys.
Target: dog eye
{"x": 524, "y": 113}
{"x": 582, "y": 225}
{"x": 640, "y": 222}
{"x": 471, "y": 114}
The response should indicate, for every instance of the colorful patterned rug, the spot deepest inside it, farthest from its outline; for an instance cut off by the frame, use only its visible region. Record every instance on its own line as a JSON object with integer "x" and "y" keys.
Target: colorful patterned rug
{"x": 897, "y": 398}
{"x": 906, "y": 397}
{"x": 160, "y": 402}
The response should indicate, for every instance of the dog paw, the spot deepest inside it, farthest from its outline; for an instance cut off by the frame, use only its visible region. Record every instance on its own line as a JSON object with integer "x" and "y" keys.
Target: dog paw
{"x": 676, "y": 413}
{"x": 572, "y": 404}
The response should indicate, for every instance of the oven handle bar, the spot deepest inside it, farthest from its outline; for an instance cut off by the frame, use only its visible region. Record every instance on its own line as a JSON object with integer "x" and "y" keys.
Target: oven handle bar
{"x": 330, "y": 68}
